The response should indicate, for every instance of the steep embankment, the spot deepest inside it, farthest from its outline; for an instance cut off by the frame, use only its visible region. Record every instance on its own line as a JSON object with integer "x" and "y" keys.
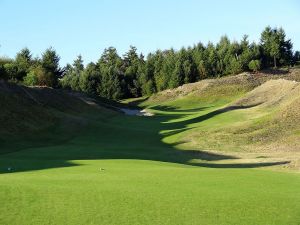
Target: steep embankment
{"x": 240, "y": 114}
{"x": 279, "y": 128}
{"x": 224, "y": 87}
{"x": 40, "y": 115}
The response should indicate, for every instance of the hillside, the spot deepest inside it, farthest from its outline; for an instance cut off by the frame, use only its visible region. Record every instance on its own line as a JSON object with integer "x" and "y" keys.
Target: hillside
{"x": 243, "y": 114}
{"x": 244, "y": 82}
{"x": 240, "y": 114}
{"x": 42, "y": 115}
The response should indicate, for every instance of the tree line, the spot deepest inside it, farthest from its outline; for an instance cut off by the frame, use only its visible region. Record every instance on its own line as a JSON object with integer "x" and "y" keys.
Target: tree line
{"x": 133, "y": 75}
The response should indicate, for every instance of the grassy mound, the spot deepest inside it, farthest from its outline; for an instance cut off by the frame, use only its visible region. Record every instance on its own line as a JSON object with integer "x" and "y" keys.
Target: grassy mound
{"x": 244, "y": 113}
{"x": 40, "y": 116}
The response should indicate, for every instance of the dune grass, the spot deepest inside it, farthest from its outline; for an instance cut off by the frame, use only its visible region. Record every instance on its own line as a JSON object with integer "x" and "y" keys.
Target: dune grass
{"x": 121, "y": 169}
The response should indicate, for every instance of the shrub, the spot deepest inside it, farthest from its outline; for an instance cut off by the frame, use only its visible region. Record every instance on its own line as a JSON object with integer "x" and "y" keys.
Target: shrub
{"x": 254, "y": 65}
{"x": 31, "y": 79}
{"x": 11, "y": 71}
{"x": 235, "y": 66}
{"x": 39, "y": 76}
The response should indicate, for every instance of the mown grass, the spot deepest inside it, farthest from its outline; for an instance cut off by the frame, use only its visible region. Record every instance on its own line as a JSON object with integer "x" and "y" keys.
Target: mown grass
{"x": 121, "y": 172}
{"x": 148, "y": 192}
{"x": 121, "y": 169}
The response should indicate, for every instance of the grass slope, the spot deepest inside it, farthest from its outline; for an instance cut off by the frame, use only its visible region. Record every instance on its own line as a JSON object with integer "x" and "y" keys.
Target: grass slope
{"x": 239, "y": 114}
{"x": 40, "y": 116}
{"x": 132, "y": 170}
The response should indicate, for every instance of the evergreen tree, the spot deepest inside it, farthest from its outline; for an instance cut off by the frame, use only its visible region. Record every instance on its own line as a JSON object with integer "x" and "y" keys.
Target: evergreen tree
{"x": 72, "y": 74}
{"x": 23, "y": 62}
{"x": 223, "y": 56}
{"x": 210, "y": 54}
{"x": 158, "y": 76}
{"x": 277, "y": 50}
{"x": 178, "y": 75}
{"x": 146, "y": 79}
{"x": 50, "y": 63}
{"x": 296, "y": 58}
{"x": 132, "y": 64}
{"x": 110, "y": 65}
{"x": 199, "y": 61}
{"x": 167, "y": 68}
{"x": 90, "y": 79}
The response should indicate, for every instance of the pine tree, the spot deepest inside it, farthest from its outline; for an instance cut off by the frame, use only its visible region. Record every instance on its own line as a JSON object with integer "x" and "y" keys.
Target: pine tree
{"x": 50, "y": 63}
{"x": 90, "y": 79}
{"x": 132, "y": 64}
{"x": 23, "y": 62}
{"x": 276, "y": 49}
{"x": 110, "y": 65}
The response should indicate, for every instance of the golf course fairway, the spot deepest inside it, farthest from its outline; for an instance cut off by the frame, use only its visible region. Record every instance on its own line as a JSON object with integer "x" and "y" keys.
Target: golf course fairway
{"x": 119, "y": 170}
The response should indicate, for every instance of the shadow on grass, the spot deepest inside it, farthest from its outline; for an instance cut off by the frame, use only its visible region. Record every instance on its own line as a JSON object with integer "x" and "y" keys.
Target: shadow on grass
{"x": 122, "y": 137}
{"x": 212, "y": 114}
{"x": 172, "y": 109}
{"x": 137, "y": 102}
{"x": 240, "y": 165}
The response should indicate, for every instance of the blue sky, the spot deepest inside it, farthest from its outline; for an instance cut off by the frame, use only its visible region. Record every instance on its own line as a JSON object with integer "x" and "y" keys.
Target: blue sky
{"x": 87, "y": 27}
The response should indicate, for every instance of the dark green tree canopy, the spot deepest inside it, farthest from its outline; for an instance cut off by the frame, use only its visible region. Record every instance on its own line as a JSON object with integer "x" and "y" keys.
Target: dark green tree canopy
{"x": 134, "y": 75}
{"x": 277, "y": 49}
